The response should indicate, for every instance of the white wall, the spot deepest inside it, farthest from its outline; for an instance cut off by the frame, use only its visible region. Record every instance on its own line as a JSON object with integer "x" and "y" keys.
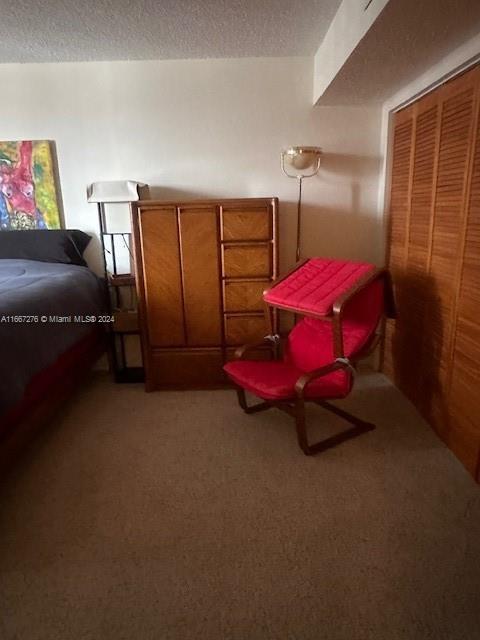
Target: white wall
{"x": 203, "y": 129}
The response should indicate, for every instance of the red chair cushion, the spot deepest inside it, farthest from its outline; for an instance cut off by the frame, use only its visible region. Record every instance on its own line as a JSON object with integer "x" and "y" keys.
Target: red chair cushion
{"x": 310, "y": 342}
{"x": 310, "y": 345}
{"x": 275, "y": 380}
{"x": 316, "y": 285}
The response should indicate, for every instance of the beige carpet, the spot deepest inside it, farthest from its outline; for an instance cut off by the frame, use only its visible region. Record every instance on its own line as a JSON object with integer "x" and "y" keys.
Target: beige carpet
{"x": 175, "y": 516}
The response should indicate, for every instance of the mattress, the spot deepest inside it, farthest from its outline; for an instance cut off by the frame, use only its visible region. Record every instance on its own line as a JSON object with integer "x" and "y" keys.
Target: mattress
{"x": 45, "y": 308}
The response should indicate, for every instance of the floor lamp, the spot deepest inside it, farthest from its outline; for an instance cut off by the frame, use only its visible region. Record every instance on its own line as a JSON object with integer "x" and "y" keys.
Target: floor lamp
{"x": 305, "y": 162}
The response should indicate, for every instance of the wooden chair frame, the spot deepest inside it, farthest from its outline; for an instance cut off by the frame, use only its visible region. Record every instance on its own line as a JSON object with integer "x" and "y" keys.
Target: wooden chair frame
{"x": 295, "y": 406}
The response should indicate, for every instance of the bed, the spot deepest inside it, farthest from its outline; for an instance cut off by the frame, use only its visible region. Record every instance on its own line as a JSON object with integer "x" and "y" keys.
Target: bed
{"x": 52, "y": 327}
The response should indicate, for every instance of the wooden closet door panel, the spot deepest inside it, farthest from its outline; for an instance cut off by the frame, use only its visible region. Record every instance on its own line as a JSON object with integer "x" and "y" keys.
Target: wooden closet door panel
{"x": 403, "y": 137}
{"x": 200, "y": 267}
{"x": 415, "y": 283}
{"x": 469, "y": 298}
{"x": 465, "y": 375}
{"x": 464, "y": 398}
{"x": 462, "y": 431}
{"x": 456, "y": 126}
{"x": 162, "y": 276}
{"x": 394, "y": 365}
{"x": 423, "y": 184}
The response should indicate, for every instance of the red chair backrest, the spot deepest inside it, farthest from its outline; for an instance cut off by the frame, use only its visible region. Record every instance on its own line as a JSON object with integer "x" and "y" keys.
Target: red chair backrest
{"x": 310, "y": 343}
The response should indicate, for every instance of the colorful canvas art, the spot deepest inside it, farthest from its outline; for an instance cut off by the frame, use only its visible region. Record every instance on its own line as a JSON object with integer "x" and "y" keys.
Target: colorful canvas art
{"x": 28, "y": 195}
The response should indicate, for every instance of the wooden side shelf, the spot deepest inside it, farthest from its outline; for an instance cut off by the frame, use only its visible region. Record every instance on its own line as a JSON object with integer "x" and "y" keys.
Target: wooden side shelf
{"x": 125, "y": 321}
{"x": 121, "y": 280}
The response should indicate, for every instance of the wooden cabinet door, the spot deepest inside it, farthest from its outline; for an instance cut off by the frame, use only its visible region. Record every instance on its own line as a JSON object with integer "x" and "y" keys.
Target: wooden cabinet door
{"x": 162, "y": 282}
{"x": 200, "y": 275}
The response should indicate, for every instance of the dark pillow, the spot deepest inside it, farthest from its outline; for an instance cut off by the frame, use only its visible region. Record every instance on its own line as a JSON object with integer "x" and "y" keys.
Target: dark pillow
{"x": 55, "y": 245}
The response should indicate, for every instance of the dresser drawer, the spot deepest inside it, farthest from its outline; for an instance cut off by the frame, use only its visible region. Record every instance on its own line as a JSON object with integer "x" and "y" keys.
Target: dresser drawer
{"x": 245, "y": 295}
{"x": 242, "y": 329}
{"x": 185, "y": 369}
{"x": 247, "y": 260}
{"x": 246, "y": 224}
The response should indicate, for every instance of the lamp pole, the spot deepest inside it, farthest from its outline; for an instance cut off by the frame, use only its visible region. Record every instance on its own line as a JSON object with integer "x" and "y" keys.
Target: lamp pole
{"x": 299, "y": 218}
{"x": 301, "y": 158}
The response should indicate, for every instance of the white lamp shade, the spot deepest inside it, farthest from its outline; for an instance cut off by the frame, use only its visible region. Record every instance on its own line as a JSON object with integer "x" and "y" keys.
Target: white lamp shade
{"x": 117, "y": 191}
{"x": 302, "y": 157}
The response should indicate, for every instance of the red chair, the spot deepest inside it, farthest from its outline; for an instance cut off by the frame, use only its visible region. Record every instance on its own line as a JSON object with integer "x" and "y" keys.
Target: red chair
{"x": 344, "y": 304}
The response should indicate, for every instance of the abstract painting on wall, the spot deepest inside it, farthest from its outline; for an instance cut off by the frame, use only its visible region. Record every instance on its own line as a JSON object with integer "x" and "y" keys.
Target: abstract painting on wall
{"x": 28, "y": 194}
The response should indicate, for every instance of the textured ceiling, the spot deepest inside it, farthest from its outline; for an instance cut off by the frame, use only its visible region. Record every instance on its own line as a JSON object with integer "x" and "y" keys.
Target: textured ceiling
{"x": 405, "y": 41}
{"x": 68, "y": 30}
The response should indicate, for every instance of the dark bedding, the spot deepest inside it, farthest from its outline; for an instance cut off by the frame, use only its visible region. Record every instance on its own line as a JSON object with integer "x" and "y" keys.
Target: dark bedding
{"x": 45, "y": 297}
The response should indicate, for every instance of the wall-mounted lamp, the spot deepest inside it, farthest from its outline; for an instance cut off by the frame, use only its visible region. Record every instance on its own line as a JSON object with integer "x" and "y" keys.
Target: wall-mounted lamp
{"x": 304, "y": 163}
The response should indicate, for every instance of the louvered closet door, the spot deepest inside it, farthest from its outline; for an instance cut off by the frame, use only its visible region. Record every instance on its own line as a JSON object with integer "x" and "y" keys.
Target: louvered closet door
{"x": 433, "y": 349}
{"x": 465, "y": 373}
{"x": 395, "y": 359}
{"x": 420, "y": 300}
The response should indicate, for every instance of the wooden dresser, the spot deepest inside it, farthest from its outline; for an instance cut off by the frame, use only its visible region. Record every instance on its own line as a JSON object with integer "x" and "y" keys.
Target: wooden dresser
{"x": 201, "y": 268}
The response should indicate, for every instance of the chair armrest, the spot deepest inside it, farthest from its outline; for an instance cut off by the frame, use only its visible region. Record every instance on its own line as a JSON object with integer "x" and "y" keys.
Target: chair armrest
{"x": 306, "y": 378}
{"x": 268, "y": 341}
